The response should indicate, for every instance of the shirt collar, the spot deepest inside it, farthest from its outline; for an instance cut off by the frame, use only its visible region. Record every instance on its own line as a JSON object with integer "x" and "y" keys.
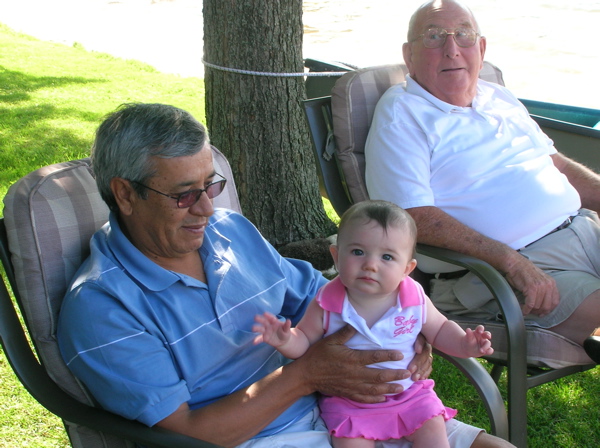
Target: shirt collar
{"x": 154, "y": 277}
{"x": 134, "y": 262}
{"x": 331, "y": 297}
{"x": 415, "y": 88}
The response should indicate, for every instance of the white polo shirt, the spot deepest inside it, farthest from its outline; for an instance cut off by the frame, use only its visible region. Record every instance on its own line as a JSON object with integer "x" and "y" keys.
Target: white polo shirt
{"x": 488, "y": 165}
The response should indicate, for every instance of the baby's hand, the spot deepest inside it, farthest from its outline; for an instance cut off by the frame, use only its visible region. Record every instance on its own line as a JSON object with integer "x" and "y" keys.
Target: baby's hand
{"x": 479, "y": 341}
{"x": 271, "y": 330}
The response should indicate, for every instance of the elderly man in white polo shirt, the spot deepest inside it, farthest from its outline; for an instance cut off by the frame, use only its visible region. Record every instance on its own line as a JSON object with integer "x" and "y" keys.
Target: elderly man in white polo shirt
{"x": 479, "y": 177}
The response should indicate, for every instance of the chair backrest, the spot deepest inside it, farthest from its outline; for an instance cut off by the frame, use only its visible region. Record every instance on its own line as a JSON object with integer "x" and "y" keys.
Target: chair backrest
{"x": 528, "y": 353}
{"x": 50, "y": 216}
{"x": 339, "y": 126}
{"x": 353, "y": 100}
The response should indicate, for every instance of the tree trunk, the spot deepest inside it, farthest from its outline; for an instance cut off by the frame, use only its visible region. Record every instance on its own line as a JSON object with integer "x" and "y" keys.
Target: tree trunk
{"x": 257, "y": 121}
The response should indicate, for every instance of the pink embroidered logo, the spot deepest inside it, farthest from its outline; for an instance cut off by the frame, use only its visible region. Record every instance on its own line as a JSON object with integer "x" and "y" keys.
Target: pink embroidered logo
{"x": 404, "y": 325}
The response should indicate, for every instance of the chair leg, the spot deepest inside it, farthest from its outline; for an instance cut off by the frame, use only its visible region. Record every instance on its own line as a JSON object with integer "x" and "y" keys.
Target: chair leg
{"x": 516, "y": 400}
{"x": 496, "y": 372}
{"x": 487, "y": 390}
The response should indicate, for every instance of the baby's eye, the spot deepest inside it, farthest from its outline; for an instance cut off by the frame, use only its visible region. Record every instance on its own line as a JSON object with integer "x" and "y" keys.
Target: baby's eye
{"x": 387, "y": 257}
{"x": 357, "y": 252}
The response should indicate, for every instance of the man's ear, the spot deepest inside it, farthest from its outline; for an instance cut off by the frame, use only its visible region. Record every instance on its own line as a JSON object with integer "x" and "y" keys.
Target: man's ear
{"x": 482, "y": 47}
{"x": 124, "y": 194}
{"x": 407, "y": 54}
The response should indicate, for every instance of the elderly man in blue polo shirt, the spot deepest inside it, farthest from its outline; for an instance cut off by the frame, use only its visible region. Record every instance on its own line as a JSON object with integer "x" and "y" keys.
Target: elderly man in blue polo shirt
{"x": 157, "y": 321}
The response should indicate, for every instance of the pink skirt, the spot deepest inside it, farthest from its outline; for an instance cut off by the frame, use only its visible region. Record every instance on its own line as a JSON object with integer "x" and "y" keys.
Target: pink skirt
{"x": 399, "y": 416}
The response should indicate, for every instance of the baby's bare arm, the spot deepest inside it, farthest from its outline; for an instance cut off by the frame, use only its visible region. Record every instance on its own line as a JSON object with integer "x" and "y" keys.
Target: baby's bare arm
{"x": 290, "y": 342}
{"x": 448, "y": 337}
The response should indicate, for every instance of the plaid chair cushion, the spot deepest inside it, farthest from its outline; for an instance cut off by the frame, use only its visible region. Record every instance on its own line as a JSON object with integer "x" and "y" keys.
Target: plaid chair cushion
{"x": 544, "y": 348}
{"x": 353, "y": 101}
{"x": 229, "y": 197}
{"x": 50, "y": 216}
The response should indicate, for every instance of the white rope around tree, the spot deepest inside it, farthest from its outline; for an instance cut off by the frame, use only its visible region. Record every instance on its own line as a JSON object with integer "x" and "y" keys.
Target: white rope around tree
{"x": 271, "y": 74}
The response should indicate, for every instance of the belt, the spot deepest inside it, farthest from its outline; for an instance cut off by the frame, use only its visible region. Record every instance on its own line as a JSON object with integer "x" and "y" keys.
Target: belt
{"x": 567, "y": 222}
{"x": 564, "y": 225}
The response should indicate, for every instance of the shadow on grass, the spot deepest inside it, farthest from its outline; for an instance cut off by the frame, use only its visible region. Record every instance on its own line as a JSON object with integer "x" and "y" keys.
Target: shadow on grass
{"x": 28, "y": 139}
{"x": 15, "y": 86}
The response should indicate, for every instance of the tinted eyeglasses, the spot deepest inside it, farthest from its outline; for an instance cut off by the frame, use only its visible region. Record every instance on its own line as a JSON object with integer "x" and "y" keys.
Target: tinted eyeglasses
{"x": 189, "y": 198}
{"x": 436, "y": 37}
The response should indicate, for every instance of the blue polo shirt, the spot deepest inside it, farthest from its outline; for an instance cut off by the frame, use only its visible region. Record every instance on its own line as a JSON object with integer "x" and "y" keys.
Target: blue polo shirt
{"x": 144, "y": 339}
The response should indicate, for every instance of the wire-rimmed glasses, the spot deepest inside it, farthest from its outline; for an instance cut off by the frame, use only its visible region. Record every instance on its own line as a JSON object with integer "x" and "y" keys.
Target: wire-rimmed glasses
{"x": 436, "y": 37}
{"x": 189, "y": 198}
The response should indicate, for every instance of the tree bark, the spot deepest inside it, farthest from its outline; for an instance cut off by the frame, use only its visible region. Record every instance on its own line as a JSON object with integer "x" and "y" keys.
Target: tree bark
{"x": 258, "y": 121}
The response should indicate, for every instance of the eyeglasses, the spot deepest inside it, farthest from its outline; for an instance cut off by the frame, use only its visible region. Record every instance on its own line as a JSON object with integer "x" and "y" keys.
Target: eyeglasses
{"x": 436, "y": 37}
{"x": 189, "y": 198}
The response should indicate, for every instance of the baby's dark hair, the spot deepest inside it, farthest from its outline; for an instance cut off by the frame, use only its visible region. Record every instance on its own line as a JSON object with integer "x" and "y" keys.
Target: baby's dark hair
{"x": 386, "y": 214}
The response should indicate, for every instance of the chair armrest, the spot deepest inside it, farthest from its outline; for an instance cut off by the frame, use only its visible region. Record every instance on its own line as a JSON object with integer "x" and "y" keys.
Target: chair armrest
{"x": 513, "y": 319}
{"x": 496, "y": 283}
{"x": 37, "y": 382}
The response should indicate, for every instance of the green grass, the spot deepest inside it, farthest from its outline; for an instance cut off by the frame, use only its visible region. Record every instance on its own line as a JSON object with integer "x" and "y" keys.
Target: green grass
{"x": 52, "y": 97}
{"x": 562, "y": 414}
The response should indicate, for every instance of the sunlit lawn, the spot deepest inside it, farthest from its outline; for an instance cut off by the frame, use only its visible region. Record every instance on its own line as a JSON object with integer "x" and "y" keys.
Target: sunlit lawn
{"x": 52, "y": 97}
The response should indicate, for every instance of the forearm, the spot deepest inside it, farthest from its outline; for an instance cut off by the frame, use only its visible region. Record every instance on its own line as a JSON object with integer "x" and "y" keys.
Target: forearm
{"x": 437, "y": 228}
{"x": 328, "y": 366}
{"x": 243, "y": 414}
{"x": 450, "y": 340}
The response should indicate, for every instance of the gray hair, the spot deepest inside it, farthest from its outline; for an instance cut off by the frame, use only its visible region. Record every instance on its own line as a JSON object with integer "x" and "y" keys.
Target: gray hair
{"x": 129, "y": 138}
{"x": 384, "y": 213}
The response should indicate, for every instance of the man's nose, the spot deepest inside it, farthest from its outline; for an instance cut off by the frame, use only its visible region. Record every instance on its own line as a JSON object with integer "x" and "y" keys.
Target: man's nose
{"x": 451, "y": 48}
{"x": 203, "y": 206}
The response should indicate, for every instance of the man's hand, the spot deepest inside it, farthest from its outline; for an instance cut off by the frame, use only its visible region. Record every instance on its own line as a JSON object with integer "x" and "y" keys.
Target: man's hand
{"x": 541, "y": 294}
{"x": 539, "y": 289}
{"x": 334, "y": 369}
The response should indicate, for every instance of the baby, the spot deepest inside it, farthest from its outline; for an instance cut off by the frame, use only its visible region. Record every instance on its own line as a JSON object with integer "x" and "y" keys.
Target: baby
{"x": 374, "y": 256}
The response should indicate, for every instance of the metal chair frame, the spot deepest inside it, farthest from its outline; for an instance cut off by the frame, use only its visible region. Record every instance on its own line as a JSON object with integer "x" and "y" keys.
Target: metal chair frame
{"x": 520, "y": 376}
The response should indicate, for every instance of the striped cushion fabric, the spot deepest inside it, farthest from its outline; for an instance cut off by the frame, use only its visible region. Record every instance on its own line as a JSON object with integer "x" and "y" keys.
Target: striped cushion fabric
{"x": 229, "y": 197}
{"x": 50, "y": 216}
{"x": 544, "y": 348}
{"x": 353, "y": 101}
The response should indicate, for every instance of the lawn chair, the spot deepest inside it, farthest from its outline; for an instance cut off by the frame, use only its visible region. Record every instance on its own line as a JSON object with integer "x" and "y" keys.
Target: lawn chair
{"x": 49, "y": 218}
{"x": 339, "y": 125}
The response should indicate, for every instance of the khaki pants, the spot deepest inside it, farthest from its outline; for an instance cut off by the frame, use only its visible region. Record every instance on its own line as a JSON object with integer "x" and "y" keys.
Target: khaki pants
{"x": 571, "y": 256}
